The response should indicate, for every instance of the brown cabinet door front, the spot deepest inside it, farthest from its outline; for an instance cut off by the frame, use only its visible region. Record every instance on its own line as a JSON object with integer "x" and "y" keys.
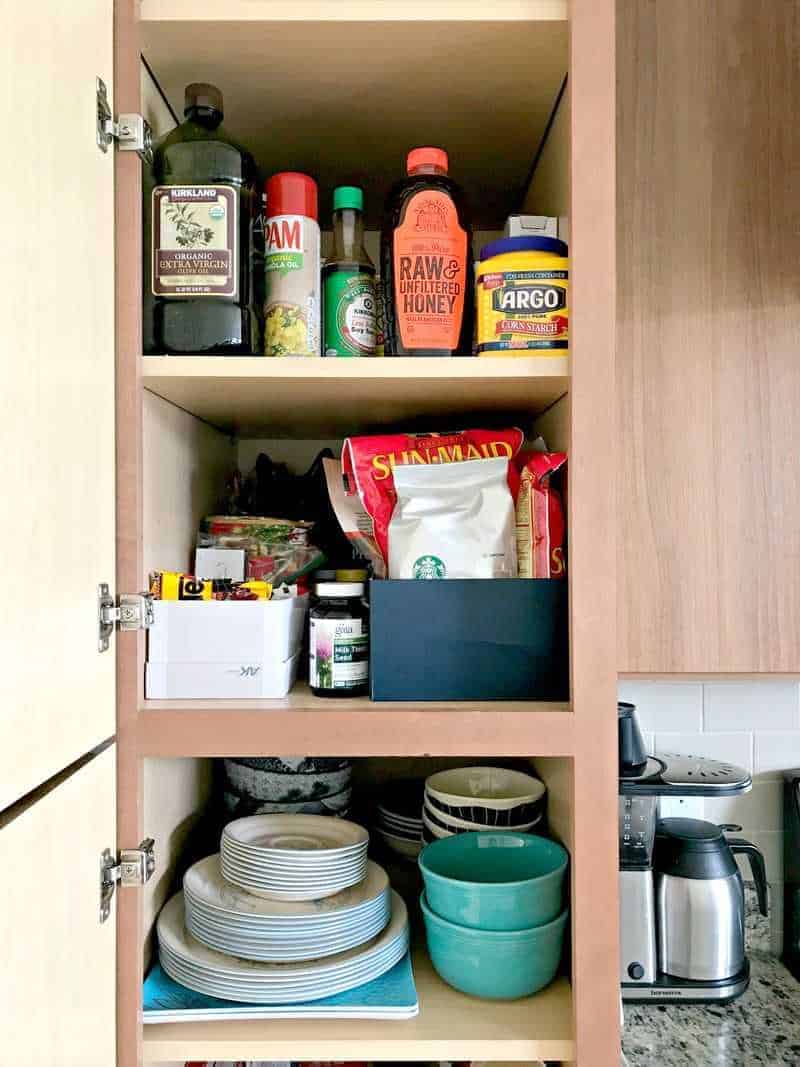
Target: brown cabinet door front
{"x": 708, "y": 343}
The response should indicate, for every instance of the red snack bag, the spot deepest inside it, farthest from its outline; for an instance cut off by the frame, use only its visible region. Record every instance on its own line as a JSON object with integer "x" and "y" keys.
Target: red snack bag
{"x": 540, "y": 518}
{"x": 368, "y": 462}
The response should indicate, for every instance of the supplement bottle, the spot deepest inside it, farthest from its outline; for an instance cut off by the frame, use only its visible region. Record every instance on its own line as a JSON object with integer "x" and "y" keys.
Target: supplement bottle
{"x": 199, "y": 209}
{"x": 291, "y": 267}
{"x": 426, "y": 262}
{"x": 339, "y": 641}
{"x": 348, "y": 281}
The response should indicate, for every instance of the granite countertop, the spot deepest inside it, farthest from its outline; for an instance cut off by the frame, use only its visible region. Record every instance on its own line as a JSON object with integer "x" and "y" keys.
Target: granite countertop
{"x": 761, "y": 1027}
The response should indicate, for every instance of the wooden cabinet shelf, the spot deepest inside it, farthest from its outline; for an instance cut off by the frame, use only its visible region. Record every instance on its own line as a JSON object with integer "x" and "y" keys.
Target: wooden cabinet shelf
{"x": 255, "y": 396}
{"x": 357, "y": 727}
{"x": 450, "y": 1025}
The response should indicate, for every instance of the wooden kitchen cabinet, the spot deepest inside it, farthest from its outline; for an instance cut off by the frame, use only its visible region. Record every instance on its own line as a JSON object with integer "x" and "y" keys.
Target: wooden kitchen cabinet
{"x": 708, "y": 376}
{"x": 167, "y": 436}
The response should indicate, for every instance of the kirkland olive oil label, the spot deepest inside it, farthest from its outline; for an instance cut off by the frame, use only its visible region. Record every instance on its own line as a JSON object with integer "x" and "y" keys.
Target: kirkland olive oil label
{"x": 194, "y": 240}
{"x": 349, "y": 301}
{"x": 523, "y": 309}
{"x": 339, "y": 653}
{"x": 430, "y": 272}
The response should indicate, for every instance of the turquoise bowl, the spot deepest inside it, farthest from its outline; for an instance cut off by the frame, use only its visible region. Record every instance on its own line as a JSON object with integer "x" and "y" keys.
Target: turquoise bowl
{"x": 495, "y": 880}
{"x": 494, "y": 964}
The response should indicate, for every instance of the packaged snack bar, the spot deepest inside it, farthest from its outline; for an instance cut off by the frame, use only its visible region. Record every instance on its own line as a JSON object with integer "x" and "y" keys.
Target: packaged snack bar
{"x": 540, "y": 518}
{"x": 368, "y": 465}
{"x": 172, "y": 585}
{"x": 453, "y": 521}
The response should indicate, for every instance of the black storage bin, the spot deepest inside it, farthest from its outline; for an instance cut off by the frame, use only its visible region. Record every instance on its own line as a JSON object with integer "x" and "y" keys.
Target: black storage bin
{"x": 477, "y": 639}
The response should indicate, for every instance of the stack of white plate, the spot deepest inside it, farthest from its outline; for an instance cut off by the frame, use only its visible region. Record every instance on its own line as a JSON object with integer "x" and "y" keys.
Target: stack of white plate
{"x": 293, "y": 857}
{"x": 399, "y": 816}
{"x": 226, "y": 918}
{"x": 217, "y": 974}
{"x": 285, "y": 785}
{"x": 469, "y": 799}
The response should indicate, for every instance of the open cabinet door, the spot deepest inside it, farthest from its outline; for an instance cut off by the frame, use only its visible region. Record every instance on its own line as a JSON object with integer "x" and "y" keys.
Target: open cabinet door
{"x": 57, "y": 982}
{"x": 57, "y": 408}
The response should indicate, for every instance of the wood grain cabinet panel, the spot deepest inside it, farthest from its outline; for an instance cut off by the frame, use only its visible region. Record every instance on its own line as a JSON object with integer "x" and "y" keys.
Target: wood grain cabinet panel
{"x": 708, "y": 343}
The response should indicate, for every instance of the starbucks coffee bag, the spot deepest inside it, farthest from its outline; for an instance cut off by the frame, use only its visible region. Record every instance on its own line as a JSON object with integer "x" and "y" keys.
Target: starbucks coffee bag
{"x": 453, "y": 520}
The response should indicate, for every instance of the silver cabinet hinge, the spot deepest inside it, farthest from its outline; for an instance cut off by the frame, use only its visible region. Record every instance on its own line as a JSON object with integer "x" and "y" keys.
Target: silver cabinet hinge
{"x": 131, "y": 132}
{"x": 134, "y": 867}
{"x": 133, "y": 612}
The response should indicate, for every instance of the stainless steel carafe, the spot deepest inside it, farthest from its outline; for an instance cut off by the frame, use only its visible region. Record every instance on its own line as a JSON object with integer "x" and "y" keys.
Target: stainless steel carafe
{"x": 700, "y": 908}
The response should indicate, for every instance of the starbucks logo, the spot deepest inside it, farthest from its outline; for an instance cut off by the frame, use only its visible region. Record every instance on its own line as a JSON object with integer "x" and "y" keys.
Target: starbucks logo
{"x": 429, "y": 567}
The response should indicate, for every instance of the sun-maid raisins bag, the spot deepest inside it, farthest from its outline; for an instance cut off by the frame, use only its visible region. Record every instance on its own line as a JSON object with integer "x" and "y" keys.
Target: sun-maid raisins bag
{"x": 540, "y": 518}
{"x": 453, "y": 521}
{"x": 368, "y": 465}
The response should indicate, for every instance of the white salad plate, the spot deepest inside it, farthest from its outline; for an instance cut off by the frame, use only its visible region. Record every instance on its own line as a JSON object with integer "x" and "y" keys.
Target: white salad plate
{"x": 205, "y": 883}
{"x": 301, "y": 836}
{"x": 290, "y": 870}
{"x": 206, "y": 970}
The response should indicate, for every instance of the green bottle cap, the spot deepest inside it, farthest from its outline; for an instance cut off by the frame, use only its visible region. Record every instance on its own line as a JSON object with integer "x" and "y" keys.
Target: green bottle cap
{"x": 348, "y": 196}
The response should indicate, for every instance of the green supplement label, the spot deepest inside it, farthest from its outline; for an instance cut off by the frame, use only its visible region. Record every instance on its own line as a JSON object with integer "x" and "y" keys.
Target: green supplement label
{"x": 349, "y": 300}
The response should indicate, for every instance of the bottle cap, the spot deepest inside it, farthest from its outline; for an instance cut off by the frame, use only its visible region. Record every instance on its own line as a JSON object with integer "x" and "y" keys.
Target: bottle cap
{"x": 345, "y": 196}
{"x": 339, "y": 589}
{"x": 289, "y": 193}
{"x": 523, "y": 244}
{"x": 351, "y": 575}
{"x": 201, "y": 94}
{"x": 426, "y": 157}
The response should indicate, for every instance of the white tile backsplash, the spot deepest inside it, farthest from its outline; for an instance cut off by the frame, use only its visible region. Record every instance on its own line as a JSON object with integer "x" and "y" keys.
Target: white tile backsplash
{"x": 776, "y": 752}
{"x": 755, "y": 724}
{"x": 674, "y": 706}
{"x": 763, "y": 705}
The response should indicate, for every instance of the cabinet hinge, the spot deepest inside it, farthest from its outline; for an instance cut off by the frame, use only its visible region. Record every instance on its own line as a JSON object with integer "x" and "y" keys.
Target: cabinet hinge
{"x": 134, "y": 611}
{"x": 131, "y": 132}
{"x": 134, "y": 867}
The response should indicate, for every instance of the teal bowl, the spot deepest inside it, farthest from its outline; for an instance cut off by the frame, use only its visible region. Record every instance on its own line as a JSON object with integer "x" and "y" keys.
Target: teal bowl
{"x": 494, "y": 964}
{"x": 495, "y": 880}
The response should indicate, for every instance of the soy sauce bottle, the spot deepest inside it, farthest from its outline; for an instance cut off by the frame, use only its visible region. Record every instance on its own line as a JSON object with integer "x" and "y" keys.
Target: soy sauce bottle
{"x": 426, "y": 262}
{"x": 199, "y": 212}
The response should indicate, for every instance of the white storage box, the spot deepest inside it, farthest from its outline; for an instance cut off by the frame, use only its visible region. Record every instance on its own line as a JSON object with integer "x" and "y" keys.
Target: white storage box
{"x": 215, "y": 681}
{"x": 226, "y": 631}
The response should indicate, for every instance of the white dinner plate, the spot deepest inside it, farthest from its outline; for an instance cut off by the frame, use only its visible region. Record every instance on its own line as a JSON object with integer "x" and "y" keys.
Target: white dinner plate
{"x": 211, "y": 987}
{"x": 187, "y": 960}
{"x": 172, "y": 933}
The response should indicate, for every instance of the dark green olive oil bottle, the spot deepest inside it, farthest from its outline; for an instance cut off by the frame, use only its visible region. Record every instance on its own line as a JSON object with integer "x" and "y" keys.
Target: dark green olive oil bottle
{"x": 199, "y": 212}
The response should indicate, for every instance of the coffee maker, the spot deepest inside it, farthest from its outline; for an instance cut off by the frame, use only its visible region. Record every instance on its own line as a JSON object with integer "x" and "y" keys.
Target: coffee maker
{"x": 681, "y": 893}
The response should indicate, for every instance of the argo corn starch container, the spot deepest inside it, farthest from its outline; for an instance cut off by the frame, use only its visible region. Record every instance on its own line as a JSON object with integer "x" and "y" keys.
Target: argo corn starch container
{"x": 522, "y": 296}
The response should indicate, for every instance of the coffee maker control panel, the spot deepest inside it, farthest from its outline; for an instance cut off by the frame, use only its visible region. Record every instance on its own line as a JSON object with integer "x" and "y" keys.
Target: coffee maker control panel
{"x": 637, "y": 827}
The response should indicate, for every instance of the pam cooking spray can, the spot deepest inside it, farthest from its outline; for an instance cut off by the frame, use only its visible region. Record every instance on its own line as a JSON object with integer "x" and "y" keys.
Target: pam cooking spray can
{"x": 291, "y": 267}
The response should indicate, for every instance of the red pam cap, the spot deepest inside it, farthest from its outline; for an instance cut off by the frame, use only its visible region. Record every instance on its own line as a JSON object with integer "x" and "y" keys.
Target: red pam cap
{"x": 426, "y": 157}
{"x": 290, "y": 193}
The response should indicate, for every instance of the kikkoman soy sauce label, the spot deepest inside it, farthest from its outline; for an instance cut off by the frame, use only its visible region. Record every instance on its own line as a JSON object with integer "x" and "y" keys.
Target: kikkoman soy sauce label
{"x": 349, "y": 302}
{"x": 430, "y": 272}
{"x": 194, "y": 241}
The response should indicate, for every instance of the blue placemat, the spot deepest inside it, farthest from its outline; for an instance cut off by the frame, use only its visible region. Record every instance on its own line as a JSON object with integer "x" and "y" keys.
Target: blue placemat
{"x": 393, "y": 995}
